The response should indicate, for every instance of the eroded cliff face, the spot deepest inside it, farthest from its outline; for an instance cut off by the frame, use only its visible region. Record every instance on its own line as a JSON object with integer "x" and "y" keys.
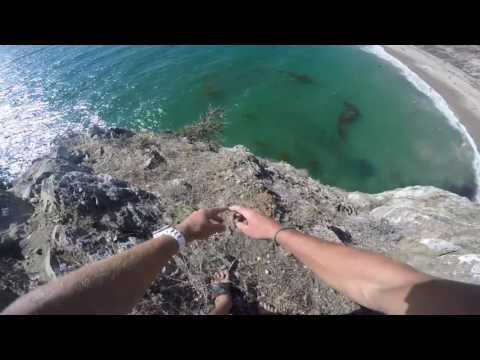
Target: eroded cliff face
{"x": 100, "y": 193}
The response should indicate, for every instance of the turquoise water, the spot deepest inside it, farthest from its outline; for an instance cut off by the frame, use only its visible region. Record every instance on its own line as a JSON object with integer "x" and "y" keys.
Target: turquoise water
{"x": 282, "y": 102}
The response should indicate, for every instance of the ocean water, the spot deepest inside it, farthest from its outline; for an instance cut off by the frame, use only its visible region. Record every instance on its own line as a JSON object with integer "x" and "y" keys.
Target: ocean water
{"x": 348, "y": 116}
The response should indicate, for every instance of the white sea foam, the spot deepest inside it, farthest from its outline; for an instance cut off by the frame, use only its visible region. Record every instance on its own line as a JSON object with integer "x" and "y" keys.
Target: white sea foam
{"x": 29, "y": 120}
{"x": 28, "y": 125}
{"x": 27, "y": 131}
{"x": 438, "y": 101}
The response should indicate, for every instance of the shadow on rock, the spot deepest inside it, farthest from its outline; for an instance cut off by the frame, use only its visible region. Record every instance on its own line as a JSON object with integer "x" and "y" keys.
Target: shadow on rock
{"x": 466, "y": 190}
{"x": 14, "y": 212}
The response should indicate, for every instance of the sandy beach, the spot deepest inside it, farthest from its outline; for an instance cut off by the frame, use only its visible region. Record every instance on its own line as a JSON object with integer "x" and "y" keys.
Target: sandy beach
{"x": 452, "y": 74}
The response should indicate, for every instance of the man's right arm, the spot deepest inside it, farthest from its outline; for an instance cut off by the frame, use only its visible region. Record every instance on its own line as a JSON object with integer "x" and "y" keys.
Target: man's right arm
{"x": 371, "y": 280}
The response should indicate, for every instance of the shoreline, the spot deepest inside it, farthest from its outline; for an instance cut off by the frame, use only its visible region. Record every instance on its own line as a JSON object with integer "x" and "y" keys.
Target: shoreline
{"x": 450, "y": 82}
{"x": 454, "y": 92}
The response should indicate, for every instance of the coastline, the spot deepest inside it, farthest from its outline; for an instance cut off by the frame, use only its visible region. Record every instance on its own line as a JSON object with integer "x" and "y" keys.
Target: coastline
{"x": 454, "y": 92}
{"x": 454, "y": 85}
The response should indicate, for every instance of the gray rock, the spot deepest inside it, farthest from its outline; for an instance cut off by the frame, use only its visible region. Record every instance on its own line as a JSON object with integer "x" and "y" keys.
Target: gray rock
{"x": 111, "y": 133}
{"x": 28, "y": 185}
{"x": 75, "y": 156}
{"x": 154, "y": 159}
{"x": 14, "y": 213}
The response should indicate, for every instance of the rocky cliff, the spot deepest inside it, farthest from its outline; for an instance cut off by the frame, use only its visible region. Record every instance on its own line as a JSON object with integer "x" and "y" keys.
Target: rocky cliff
{"x": 100, "y": 193}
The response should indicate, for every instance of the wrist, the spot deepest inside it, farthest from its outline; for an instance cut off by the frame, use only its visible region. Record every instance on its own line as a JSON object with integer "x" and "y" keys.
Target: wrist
{"x": 171, "y": 233}
{"x": 185, "y": 232}
{"x": 281, "y": 236}
{"x": 170, "y": 240}
{"x": 274, "y": 231}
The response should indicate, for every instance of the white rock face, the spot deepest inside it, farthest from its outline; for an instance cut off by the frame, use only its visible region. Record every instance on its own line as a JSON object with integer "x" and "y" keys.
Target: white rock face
{"x": 469, "y": 258}
{"x": 440, "y": 245}
{"x": 440, "y": 231}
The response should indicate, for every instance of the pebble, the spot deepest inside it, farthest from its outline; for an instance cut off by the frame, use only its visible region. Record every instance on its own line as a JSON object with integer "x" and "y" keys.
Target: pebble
{"x": 267, "y": 272}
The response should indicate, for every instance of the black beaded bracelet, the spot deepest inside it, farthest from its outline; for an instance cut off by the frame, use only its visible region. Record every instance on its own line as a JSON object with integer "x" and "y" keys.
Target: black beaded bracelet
{"x": 282, "y": 229}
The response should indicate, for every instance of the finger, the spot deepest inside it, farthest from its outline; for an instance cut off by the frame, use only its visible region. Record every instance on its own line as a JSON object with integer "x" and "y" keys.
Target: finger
{"x": 241, "y": 210}
{"x": 218, "y": 228}
{"x": 239, "y": 217}
{"x": 241, "y": 226}
{"x": 216, "y": 277}
{"x": 216, "y": 217}
{"x": 215, "y": 211}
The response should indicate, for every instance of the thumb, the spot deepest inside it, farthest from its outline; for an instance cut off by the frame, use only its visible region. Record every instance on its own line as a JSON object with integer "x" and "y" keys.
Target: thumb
{"x": 218, "y": 228}
{"x": 241, "y": 226}
{"x": 239, "y": 209}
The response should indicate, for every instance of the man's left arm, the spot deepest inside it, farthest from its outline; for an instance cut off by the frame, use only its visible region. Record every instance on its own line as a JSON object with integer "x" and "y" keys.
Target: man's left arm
{"x": 116, "y": 284}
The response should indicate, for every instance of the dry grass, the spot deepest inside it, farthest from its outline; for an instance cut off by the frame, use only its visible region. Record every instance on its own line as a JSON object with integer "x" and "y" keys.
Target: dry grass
{"x": 207, "y": 128}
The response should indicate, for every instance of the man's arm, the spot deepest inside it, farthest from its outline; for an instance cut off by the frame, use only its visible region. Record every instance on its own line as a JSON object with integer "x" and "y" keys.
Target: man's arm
{"x": 369, "y": 279}
{"x": 116, "y": 284}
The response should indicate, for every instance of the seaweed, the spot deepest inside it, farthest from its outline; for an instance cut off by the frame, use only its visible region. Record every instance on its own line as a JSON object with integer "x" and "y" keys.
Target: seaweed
{"x": 364, "y": 168}
{"x": 300, "y": 78}
{"x": 211, "y": 91}
{"x": 349, "y": 115}
{"x": 349, "y": 106}
{"x": 249, "y": 116}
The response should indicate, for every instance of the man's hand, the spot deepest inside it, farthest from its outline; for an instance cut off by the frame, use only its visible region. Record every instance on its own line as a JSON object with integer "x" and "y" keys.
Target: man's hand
{"x": 253, "y": 224}
{"x": 201, "y": 224}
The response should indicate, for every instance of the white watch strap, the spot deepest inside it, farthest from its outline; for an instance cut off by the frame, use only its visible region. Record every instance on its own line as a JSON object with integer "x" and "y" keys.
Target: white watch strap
{"x": 171, "y": 231}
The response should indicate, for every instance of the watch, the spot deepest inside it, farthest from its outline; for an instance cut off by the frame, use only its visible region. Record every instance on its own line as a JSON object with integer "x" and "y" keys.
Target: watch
{"x": 172, "y": 232}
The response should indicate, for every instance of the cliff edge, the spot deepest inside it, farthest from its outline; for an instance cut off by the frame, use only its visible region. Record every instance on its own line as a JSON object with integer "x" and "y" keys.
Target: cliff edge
{"x": 100, "y": 193}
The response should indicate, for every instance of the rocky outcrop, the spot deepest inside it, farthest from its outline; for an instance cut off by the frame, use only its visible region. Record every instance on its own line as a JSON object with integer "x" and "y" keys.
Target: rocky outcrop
{"x": 439, "y": 230}
{"x": 101, "y": 193}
